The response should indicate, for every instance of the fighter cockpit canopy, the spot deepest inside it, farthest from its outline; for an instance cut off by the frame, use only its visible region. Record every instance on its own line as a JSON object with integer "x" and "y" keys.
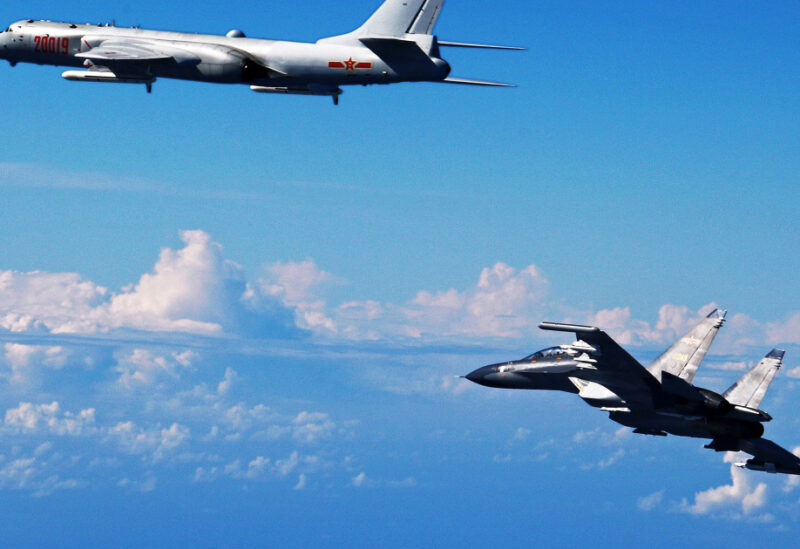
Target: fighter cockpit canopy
{"x": 546, "y": 353}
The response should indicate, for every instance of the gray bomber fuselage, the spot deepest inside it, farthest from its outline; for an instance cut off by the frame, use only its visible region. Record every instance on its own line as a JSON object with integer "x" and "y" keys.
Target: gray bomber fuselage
{"x": 212, "y": 58}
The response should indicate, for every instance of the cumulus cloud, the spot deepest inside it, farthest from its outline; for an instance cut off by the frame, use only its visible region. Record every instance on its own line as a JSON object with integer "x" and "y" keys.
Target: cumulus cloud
{"x": 740, "y": 495}
{"x": 309, "y": 427}
{"x": 29, "y": 473}
{"x": 193, "y": 289}
{"x": 504, "y": 303}
{"x": 52, "y": 302}
{"x": 361, "y": 480}
{"x": 260, "y": 468}
{"x": 144, "y": 368}
{"x": 786, "y": 331}
{"x": 154, "y": 443}
{"x": 673, "y": 321}
{"x": 29, "y": 417}
{"x": 24, "y": 362}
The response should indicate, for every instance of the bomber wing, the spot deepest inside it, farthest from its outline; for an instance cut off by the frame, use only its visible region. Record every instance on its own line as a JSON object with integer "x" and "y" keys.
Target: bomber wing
{"x": 136, "y": 53}
{"x": 115, "y": 51}
{"x": 769, "y": 457}
{"x": 685, "y": 356}
{"x": 614, "y": 368}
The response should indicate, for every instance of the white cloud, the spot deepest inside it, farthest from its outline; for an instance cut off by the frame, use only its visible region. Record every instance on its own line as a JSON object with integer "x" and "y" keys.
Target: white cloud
{"x": 143, "y": 368}
{"x": 227, "y": 382}
{"x": 155, "y": 443}
{"x": 294, "y": 282}
{"x": 786, "y": 331}
{"x": 261, "y": 468}
{"x": 673, "y": 321}
{"x": 733, "y": 366}
{"x": 26, "y": 361}
{"x": 302, "y": 480}
{"x": 650, "y": 502}
{"x": 193, "y": 289}
{"x": 739, "y": 495}
{"x": 140, "y": 486}
{"x": 309, "y": 427}
{"x": 359, "y": 480}
{"x": 54, "y": 302}
{"x": 504, "y": 303}
{"x": 29, "y": 473}
{"x": 49, "y": 417}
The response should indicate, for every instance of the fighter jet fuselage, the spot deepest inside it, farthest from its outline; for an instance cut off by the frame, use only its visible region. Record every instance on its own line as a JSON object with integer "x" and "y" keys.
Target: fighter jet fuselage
{"x": 657, "y": 400}
{"x": 706, "y": 415}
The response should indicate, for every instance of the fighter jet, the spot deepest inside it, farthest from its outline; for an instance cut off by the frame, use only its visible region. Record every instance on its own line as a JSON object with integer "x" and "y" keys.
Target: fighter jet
{"x": 661, "y": 398}
{"x": 394, "y": 45}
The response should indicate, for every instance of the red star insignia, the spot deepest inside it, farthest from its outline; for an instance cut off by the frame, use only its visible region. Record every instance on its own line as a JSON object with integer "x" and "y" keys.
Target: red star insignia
{"x": 350, "y": 65}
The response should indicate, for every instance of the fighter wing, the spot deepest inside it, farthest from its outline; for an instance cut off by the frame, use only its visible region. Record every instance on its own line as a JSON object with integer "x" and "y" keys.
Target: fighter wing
{"x": 614, "y": 368}
{"x": 685, "y": 356}
{"x": 768, "y": 456}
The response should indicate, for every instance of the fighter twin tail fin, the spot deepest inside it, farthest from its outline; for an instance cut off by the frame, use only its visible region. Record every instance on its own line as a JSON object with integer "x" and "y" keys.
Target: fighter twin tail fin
{"x": 750, "y": 389}
{"x": 685, "y": 356}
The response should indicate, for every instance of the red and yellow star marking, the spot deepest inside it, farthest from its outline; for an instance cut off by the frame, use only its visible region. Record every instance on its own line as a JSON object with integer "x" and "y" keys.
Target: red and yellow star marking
{"x": 349, "y": 65}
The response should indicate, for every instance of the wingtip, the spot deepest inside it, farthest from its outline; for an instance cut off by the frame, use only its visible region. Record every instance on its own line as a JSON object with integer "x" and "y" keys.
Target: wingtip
{"x": 776, "y": 353}
{"x": 718, "y": 313}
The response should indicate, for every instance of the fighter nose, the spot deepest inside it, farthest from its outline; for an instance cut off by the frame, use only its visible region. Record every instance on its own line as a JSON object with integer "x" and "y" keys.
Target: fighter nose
{"x": 479, "y": 376}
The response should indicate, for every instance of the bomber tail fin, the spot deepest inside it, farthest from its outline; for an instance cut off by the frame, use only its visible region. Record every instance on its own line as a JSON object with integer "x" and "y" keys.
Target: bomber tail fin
{"x": 685, "y": 356}
{"x": 400, "y": 17}
{"x": 750, "y": 389}
{"x": 396, "y": 19}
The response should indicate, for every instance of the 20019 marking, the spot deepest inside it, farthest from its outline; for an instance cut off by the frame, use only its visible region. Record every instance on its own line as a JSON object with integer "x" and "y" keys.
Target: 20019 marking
{"x": 51, "y": 44}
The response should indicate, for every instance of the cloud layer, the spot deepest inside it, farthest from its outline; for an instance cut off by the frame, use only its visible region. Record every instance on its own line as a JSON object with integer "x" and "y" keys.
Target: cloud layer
{"x": 197, "y": 290}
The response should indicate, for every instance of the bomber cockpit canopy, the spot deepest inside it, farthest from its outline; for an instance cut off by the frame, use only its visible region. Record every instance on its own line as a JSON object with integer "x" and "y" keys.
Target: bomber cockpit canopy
{"x": 546, "y": 353}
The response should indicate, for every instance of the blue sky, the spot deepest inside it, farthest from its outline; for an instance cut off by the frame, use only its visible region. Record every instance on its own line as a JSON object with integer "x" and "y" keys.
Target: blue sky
{"x": 234, "y": 319}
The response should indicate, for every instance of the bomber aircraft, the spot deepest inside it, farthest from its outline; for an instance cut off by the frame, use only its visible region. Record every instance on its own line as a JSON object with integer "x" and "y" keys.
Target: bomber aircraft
{"x": 395, "y": 44}
{"x": 659, "y": 399}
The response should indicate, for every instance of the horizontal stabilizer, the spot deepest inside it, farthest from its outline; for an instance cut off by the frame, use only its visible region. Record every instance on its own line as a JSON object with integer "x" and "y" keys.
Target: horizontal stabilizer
{"x": 450, "y": 80}
{"x": 769, "y": 457}
{"x": 394, "y": 48}
{"x": 480, "y": 46}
